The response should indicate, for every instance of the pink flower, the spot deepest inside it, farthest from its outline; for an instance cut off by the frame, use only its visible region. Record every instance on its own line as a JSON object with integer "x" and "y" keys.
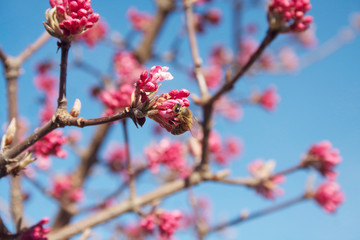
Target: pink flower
{"x": 267, "y": 185}
{"x": 163, "y": 112}
{"x": 63, "y": 188}
{"x": 148, "y": 82}
{"x": 268, "y": 99}
{"x": 213, "y": 75}
{"x": 50, "y": 144}
{"x": 116, "y": 157}
{"x": 171, "y": 154}
{"x": 36, "y": 232}
{"x": 289, "y": 15}
{"x": 116, "y": 100}
{"x": 168, "y": 223}
{"x": 148, "y": 223}
{"x": 329, "y": 196}
{"x": 95, "y": 34}
{"x": 140, "y": 20}
{"x": 323, "y": 158}
{"x": 74, "y": 17}
{"x": 127, "y": 67}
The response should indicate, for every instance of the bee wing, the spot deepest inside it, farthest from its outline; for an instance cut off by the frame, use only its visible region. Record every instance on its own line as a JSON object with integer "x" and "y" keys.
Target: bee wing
{"x": 195, "y": 128}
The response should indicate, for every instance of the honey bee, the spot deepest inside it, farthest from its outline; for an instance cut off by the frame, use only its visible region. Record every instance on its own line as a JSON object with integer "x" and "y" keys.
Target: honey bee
{"x": 185, "y": 121}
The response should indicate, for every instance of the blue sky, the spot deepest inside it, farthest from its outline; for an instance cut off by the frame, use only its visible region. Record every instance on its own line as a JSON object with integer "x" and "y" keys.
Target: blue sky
{"x": 321, "y": 102}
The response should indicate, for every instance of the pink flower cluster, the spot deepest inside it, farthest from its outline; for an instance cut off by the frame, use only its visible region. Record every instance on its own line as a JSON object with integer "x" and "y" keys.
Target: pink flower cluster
{"x": 268, "y": 99}
{"x": 148, "y": 82}
{"x": 171, "y": 154}
{"x": 116, "y": 100}
{"x": 167, "y": 223}
{"x": 94, "y": 34}
{"x": 268, "y": 184}
{"x": 127, "y": 67}
{"x": 329, "y": 196}
{"x": 36, "y": 232}
{"x": 63, "y": 187}
{"x": 223, "y": 154}
{"x": 292, "y": 12}
{"x": 140, "y": 21}
{"x": 50, "y": 144}
{"x": 164, "y": 105}
{"x": 323, "y": 158}
{"x": 74, "y": 16}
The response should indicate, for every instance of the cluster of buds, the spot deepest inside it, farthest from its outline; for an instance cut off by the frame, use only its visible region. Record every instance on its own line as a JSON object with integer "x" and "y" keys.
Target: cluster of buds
{"x": 329, "y": 196}
{"x": 167, "y": 222}
{"x": 50, "y": 144}
{"x": 36, "y": 232}
{"x": 266, "y": 182}
{"x": 63, "y": 188}
{"x": 159, "y": 108}
{"x": 69, "y": 18}
{"x": 323, "y": 158}
{"x": 171, "y": 154}
{"x": 289, "y": 15}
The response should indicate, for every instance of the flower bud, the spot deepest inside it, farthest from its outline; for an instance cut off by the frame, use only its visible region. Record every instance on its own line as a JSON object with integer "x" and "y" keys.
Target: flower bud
{"x": 10, "y": 134}
{"x": 75, "y": 111}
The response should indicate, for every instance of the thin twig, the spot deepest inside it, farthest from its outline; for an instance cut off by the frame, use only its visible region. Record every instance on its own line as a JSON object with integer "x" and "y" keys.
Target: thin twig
{"x": 62, "y": 101}
{"x": 3, "y": 56}
{"x": 251, "y": 182}
{"x": 246, "y": 217}
{"x": 270, "y": 36}
{"x": 129, "y": 167}
{"x": 33, "y": 47}
{"x": 188, "y": 4}
{"x": 53, "y": 124}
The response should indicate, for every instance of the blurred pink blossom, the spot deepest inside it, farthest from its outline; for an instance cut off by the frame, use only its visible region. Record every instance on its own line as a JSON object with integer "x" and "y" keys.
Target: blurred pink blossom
{"x": 36, "y": 232}
{"x": 329, "y": 196}
{"x": 323, "y": 158}
{"x": 268, "y": 184}
{"x": 95, "y": 34}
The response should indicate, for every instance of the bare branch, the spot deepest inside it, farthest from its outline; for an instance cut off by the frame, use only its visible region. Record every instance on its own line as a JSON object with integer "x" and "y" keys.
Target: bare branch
{"x": 188, "y": 4}
{"x": 31, "y": 49}
{"x": 144, "y": 51}
{"x": 270, "y": 36}
{"x": 127, "y": 205}
{"x": 246, "y": 217}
